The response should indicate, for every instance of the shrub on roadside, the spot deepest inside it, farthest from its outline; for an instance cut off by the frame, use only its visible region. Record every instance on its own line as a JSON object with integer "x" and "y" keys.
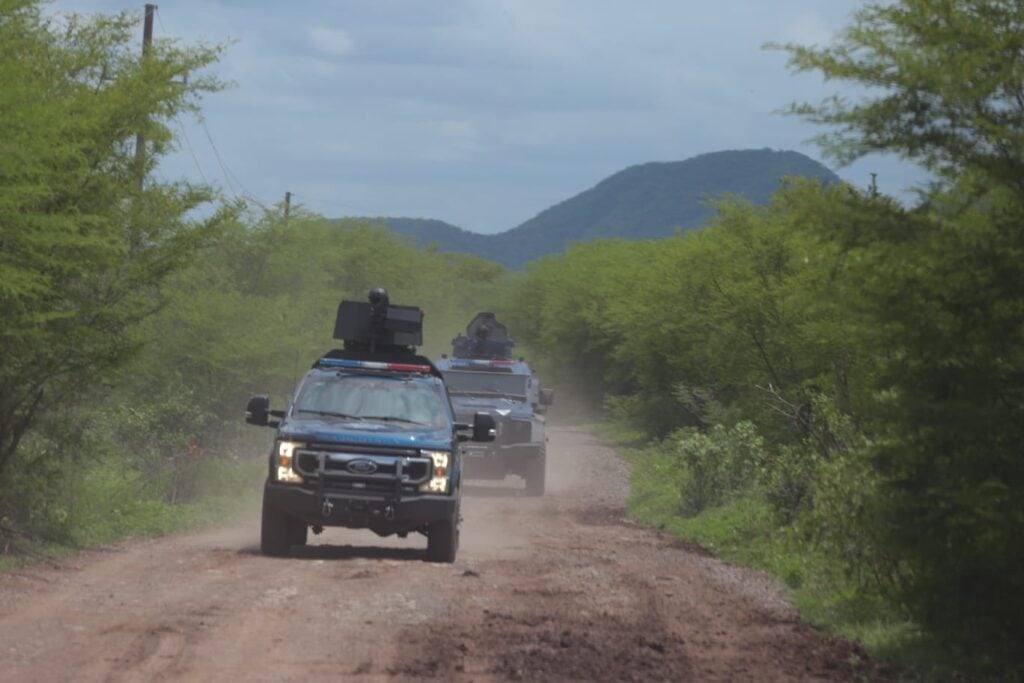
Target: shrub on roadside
{"x": 717, "y": 465}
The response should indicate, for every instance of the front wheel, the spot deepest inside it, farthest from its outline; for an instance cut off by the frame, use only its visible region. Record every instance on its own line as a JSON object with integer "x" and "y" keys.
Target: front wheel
{"x": 275, "y": 531}
{"x": 443, "y": 540}
{"x": 536, "y": 473}
{"x": 298, "y": 531}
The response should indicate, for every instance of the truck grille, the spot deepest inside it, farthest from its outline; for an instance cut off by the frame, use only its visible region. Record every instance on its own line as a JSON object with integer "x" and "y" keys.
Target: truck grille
{"x": 363, "y": 469}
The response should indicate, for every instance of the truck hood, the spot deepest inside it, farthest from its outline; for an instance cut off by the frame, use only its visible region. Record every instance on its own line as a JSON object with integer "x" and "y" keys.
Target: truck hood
{"x": 498, "y": 407}
{"x": 384, "y": 434}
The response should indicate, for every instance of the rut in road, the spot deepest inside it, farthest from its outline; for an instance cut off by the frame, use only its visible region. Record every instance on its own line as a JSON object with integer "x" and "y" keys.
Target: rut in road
{"x": 558, "y": 588}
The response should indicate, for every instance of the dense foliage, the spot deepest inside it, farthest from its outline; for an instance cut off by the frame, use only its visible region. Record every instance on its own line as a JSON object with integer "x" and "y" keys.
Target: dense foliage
{"x": 877, "y": 351}
{"x": 645, "y": 201}
{"x": 85, "y": 242}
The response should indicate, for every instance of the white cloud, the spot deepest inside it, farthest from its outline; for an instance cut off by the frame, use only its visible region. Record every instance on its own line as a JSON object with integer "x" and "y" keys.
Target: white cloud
{"x": 330, "y": 41}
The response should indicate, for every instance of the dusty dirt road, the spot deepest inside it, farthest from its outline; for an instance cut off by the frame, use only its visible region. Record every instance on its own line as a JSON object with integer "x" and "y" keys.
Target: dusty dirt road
{"x": 559, "y": 588}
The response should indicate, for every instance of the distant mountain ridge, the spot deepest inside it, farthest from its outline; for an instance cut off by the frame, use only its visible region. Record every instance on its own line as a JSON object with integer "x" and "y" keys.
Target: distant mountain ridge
{"x": 647, "y": 201}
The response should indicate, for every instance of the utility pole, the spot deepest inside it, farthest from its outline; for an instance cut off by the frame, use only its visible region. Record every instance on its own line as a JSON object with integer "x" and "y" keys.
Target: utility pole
{"x": 873, "y": 189}
{"x": 287, "y": 206}
{"x": 140, "y": 140}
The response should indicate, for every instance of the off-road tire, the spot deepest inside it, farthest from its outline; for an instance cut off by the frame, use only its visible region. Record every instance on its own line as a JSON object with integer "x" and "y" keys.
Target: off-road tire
{"x": 275, "y": 539}
{"x": 298, "y": 531}
{"x": 443, "y": 539}
{"x": 536, "y": 473}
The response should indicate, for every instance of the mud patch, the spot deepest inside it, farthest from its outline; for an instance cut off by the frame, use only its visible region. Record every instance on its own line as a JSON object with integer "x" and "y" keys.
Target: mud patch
{"x": 590, "y": 650}
{"x": 544, "y": 619}
{"x": 542, "y": 647}
{"x": 539, "y": 647}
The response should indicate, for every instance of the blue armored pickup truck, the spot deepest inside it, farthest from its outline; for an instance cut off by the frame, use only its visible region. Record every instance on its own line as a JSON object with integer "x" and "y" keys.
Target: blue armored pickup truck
{"x": 369, "y": 439}
{"x": 482, "y": 377}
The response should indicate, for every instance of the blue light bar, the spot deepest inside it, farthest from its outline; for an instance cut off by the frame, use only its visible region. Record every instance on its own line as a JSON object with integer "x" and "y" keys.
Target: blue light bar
{"x": 372, "y": 365}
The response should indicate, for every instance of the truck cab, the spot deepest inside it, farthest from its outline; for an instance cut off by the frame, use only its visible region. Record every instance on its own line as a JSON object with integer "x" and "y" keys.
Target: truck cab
{"x": 369, "y": 440}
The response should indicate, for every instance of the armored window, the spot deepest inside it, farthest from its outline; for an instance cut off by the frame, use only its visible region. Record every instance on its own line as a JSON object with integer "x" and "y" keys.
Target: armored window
{"x": 484, "y": 383}
{"x": 374, "y": 399}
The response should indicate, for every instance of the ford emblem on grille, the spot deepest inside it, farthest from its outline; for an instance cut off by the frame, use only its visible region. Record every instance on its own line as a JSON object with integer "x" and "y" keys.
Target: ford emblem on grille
{"x": 361, "y": 466}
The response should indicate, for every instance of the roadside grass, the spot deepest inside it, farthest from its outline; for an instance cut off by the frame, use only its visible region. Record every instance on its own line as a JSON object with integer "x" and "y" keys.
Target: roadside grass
{"x": 106, "y": 504}
{"x": 21, "y": 551}
{"x": 745, "y": 532}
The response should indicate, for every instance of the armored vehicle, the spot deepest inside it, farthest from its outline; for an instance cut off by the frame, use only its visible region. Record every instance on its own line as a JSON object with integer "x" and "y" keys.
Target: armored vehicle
{"x": 369, "y": 439}
{"x": 482, "y": 376}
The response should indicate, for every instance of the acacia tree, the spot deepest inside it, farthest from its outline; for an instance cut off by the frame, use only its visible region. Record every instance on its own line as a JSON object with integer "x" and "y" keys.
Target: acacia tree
{"x": 86, "y": 234}
{"x": 945, "y": 82}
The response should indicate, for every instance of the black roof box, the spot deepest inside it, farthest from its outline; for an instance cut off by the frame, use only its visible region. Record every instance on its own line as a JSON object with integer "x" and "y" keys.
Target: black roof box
{"x": 378, "y": 325}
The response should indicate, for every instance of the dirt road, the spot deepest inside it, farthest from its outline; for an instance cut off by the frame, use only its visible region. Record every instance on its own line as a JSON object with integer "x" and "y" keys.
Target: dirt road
{"x": 559, "y": 588}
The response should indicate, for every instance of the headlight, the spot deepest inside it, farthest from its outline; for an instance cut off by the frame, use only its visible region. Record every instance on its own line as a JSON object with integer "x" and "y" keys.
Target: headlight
{"x": 439, "y": 476}
{"x": 285, "y": 455}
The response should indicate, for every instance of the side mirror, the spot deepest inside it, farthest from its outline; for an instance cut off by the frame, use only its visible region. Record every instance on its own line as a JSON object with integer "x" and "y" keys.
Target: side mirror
{"x": 547, "y": 397}
{"x": 484, "y": 428}
{"x": 257, "y": 411}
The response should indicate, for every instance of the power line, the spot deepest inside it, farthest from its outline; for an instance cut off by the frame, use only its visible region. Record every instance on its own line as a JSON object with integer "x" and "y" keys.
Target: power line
{"x": 229, "y": 174}
{"x": 161, "y": 21}
{"x": 225, "y": 169}
{"x": 191, "y": 151}
{"x": 220, "y": 160}
{"x": 177, "y": 120}
{"x": 241, "y": 192}
{"x": 257, "y": 202}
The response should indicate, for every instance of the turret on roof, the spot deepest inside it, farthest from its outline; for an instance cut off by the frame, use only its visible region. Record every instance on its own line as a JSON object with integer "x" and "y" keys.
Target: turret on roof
{"x": 485, "y": 338}
{"x": 378, "y": 326}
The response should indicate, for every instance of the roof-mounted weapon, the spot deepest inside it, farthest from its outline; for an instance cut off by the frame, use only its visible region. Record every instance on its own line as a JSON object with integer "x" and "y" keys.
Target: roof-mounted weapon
{"x": 485, "y": 338}
{"x": 378, "y": 326}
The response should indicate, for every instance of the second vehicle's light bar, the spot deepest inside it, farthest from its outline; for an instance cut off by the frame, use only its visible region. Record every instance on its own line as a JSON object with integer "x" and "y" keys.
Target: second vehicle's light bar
{"x": 372, "y": 365}
{"x": 470, "y": 361}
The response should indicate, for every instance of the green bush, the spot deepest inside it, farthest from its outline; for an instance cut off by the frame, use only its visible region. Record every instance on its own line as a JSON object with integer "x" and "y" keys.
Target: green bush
{"x": 786, "y": 476}
{"x": 129, "y": 474}
{"x": 715, "y": 466}
{"x": 793, "y": 474}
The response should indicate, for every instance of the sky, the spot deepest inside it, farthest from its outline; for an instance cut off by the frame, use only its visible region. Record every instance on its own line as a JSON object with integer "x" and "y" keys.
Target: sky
{"x": 483, "y": 113}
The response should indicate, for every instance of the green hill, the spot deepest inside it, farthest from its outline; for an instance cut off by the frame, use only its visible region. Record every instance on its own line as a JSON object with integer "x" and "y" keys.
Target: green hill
{"x": 641, "y": 202}
{"x": 448, "y": 237}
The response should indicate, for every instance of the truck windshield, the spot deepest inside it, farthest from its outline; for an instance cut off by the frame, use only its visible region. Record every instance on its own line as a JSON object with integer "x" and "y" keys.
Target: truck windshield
{"x": 373, "y": 399}
{"x": 463, "y": 382}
